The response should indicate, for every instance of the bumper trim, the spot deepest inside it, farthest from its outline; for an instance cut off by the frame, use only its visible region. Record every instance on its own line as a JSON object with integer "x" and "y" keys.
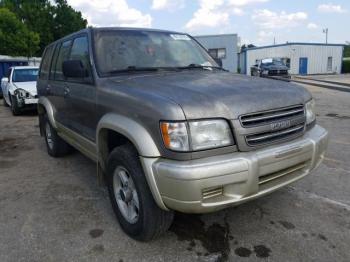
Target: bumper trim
{"x": 182, "y": 185}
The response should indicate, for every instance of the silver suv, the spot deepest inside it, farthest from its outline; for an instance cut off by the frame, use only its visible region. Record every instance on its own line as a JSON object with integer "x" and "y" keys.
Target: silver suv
{"x": 168, "y": 128}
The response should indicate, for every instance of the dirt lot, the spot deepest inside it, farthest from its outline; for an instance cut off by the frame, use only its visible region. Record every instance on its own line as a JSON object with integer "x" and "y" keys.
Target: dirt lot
{"x": 54, "y": 210}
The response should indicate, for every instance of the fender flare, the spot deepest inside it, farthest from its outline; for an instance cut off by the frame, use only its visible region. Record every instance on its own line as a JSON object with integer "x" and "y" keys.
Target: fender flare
{"x": 132, "y": 130}
{"x": 140, "y": 138}
{"x": 50, "y": 110}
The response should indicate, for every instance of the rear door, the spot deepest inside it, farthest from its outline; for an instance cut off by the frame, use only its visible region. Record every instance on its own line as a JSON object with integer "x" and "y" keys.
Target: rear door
{"x": 42, "y": 84}
{"x": 57, "y": 82}
{"x": 80, "y": 93}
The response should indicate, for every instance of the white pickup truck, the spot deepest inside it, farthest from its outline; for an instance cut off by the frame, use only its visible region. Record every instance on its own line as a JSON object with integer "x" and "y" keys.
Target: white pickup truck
{"x": 19, "y": 88}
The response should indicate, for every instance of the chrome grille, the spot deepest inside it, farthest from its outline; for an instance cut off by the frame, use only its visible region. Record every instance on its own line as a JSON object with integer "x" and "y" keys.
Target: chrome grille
{"x": 278, "y": 72}
{"x": 271, "y": 116}
{"x": 270, "y": 137}
{"x": 263, "y": 128}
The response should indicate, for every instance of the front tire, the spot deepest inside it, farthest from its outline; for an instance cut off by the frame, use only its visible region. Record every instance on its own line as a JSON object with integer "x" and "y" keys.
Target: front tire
{"x": 56, "y": 146}
{"x": 14, "y": 106}
{"x": 132, "y": 201}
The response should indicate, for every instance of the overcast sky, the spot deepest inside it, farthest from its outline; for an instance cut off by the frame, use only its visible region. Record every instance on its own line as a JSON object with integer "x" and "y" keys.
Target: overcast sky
{"x": 255, "y": 21}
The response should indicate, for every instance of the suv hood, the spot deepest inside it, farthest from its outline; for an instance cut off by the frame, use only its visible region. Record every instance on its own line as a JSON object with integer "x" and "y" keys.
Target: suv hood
{"x": 27, "y": 86}
{"x": 212, "y": 94}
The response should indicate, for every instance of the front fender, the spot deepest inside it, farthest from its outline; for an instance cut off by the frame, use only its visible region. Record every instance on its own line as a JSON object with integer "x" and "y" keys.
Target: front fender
{"x": 139, "y": 137}
{"x": 132, "y": 130}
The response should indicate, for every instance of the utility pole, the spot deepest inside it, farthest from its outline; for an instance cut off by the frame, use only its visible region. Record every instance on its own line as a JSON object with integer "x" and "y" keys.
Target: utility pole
{"x": 325, "y": 31}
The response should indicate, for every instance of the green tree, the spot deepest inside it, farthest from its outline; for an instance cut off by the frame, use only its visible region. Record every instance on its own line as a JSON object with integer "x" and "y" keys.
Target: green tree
{"x": 67, "y": 20}
{"x": 347, "y": 51}
{"x": 50, "y": 21}
{"x": 15, "y": 38}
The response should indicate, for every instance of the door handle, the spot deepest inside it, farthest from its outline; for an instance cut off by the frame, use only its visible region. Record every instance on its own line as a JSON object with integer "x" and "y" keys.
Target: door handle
{"x": 66, "y": 92}
{"x": 48, "y": 88}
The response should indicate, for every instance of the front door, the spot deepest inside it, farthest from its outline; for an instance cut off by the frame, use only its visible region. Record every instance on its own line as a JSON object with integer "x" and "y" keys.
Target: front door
{"x": 80, "y": 93}
{"x": 303, "y": 66}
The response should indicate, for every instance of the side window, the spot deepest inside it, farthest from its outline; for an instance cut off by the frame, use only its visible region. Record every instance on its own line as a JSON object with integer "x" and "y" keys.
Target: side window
{"x": 53, "y": 61}
{"x": 45, "y": 64}
{"x": 80, "y": 51}
{"x": 62, "y": 56}
{"x": 218, "y": 53}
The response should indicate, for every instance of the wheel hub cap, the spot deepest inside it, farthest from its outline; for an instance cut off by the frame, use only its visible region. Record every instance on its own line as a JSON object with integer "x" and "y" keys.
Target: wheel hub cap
{"x": 126, "y": 195}
{"x": 48, "y": 135}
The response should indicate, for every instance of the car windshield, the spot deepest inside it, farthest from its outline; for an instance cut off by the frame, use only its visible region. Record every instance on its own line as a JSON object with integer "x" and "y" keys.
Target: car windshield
{"x": 271, "y": 62}
{"x": 119, "y": 50}
{"x": 25, "y": 75}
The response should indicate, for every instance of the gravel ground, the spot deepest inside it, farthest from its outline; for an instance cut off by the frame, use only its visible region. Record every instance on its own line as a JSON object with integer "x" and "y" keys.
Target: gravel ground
{"x": 54, "y": 210}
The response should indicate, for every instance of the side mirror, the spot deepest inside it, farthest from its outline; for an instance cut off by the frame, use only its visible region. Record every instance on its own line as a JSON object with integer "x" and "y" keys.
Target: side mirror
{"x": 4, "y": 79}
{"x": 218, "y": 61}
{"x": 74, "y": 69}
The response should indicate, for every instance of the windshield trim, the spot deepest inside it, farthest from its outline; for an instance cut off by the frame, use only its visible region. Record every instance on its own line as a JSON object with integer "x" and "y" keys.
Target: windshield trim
{"x": 105, "y": 75}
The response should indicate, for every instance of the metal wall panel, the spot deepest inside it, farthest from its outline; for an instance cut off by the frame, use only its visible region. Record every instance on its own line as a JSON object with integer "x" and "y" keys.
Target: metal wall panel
{"x": 317, "y": 56}
{"x": 230, "y": 42}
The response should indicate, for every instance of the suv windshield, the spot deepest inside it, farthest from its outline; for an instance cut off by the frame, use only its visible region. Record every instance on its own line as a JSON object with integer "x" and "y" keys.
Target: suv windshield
{"x": 118, "y": 50}
{"x": 25, "y": 75}
{"x": 269, "y": 62}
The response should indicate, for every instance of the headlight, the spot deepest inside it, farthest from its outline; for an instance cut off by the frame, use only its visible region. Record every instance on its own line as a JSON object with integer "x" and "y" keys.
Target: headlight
{"x": 20, "y": 93}
{"x": 175, "y": 136}
{"x": 265, "y": 72}
{"x": 310, "y": 112}
{"x": 202, "y": 135}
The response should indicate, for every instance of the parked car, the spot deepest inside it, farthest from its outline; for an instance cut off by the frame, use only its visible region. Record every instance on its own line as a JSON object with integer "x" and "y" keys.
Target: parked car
{"x": 270, "y": 68}
{"x": 19, "y": 88}
{"x": 168, "y": 128}
{"x": 7, "y": 62}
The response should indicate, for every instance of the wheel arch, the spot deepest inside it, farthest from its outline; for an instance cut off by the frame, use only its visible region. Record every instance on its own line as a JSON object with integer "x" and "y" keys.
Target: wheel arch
{"x": 45, "y": 107}
{"x": 125, "y": 128}
{"x": 114, "y": 130}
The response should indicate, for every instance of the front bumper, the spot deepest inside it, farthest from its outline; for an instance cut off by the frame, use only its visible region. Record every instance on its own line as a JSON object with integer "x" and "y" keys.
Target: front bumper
{"x": 26, "y": 102}
{"x": 209, "y": 184}
{"x": 30, "y": 101}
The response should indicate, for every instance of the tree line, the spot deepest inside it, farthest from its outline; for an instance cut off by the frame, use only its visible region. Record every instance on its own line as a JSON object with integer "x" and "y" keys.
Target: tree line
{"x": 347, "y": 51}
{"x": 27, "y": 27}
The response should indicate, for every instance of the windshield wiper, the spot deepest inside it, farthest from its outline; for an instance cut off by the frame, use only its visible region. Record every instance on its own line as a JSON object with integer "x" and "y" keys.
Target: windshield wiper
{"x": 205, "y": 67}
{"x": 134, "y": 69}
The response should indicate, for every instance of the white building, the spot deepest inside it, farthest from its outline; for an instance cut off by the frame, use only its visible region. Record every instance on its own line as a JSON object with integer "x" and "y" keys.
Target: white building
{"x": 301, "y": 58}
{"x": 224, "y": 46}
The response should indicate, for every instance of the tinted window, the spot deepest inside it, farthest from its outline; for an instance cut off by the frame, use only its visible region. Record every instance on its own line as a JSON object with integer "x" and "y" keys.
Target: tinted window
{"x": 24, "y": 75}
{"x": 54, "y": 60}
{"x": 80, "y": 51}
{"x": 62, "y": 56}
{"x": 45, "y": 64}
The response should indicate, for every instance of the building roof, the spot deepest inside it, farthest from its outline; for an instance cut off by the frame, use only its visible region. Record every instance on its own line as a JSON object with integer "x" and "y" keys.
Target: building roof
{"x": 25, "y": 67}
{"x": 291, "y": 43}
{"x": 6, "y": 58}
